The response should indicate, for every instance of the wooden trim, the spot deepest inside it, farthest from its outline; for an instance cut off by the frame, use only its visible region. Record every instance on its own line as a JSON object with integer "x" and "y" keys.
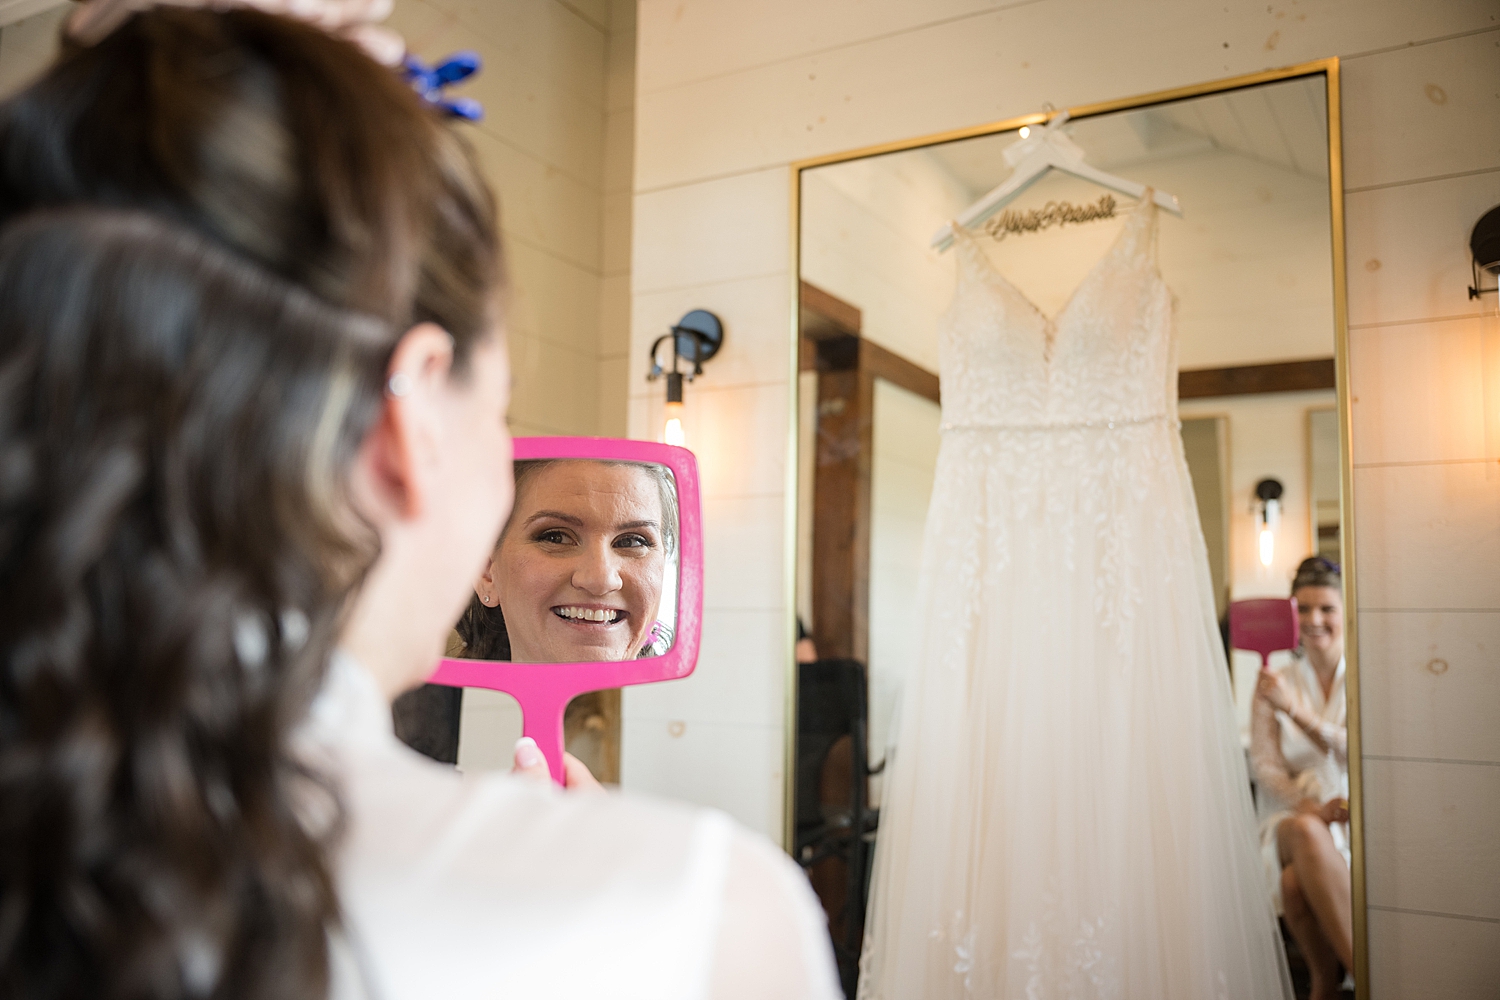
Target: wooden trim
{"x": 841, "y": 515}
{"x": 829, "y": 340}
{"x": 825, "y": 315}
{"x": 807, "y": 355}
{"x": 847, "y": 366}
{"x": 1285, "y": 376}
{"x": 881, "y": 363}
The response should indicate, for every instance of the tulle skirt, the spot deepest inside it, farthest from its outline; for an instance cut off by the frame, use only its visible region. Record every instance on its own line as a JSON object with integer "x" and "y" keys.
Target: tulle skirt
{"x": 1068, "y": 812}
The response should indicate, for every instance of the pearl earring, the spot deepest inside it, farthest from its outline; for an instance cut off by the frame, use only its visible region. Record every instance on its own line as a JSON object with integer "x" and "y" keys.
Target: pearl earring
{"x": 399, "y": 385}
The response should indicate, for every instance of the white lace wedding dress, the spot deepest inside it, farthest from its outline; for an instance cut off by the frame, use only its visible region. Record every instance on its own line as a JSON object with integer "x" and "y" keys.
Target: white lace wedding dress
{"x": 1068, "y": 814}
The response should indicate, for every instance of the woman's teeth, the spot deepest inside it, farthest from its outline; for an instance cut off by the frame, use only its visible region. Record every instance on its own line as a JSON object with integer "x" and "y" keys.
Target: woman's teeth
{"x": 605, "y": 615}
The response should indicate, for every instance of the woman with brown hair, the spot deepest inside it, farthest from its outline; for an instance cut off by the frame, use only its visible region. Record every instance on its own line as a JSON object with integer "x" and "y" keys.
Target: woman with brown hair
{"x": 252, "y": 449}
{"x": 1300, "y": 754}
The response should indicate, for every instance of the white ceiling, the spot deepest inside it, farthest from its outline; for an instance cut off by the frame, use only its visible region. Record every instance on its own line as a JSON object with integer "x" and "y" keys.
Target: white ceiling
{"x": 1283, "y": 124}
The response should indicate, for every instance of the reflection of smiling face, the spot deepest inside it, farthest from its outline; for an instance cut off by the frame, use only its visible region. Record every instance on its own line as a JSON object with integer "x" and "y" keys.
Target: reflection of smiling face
{"x": 1320, "y": 613}
{"x": 579, "y": 570}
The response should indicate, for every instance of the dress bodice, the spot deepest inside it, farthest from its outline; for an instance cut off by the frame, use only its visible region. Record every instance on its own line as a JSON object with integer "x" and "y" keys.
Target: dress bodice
{"x": 1107, "y": 356}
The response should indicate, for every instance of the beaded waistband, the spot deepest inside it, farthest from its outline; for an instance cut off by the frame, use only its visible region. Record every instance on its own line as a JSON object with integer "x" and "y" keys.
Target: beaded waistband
{"x": 1083, "y": 425}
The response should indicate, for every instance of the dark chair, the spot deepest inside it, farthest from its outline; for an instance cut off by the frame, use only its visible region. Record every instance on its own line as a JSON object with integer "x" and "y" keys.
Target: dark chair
{"x": 834, "y": 824}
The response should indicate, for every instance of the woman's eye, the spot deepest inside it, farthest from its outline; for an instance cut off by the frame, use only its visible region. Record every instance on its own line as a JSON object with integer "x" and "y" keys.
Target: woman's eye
{"x": 553, "y": 536}
{"x": 633, "y": 542}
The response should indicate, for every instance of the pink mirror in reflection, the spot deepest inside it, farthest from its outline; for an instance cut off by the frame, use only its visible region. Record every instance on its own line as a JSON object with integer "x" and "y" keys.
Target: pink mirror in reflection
{"x": 1264, "y": 626}
{"x": 596, "y": 583}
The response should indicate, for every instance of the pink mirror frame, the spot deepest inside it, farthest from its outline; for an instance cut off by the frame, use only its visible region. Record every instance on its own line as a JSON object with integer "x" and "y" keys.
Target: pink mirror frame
{"x": 544, "y": 689}
{"x": 1264, "y": 625}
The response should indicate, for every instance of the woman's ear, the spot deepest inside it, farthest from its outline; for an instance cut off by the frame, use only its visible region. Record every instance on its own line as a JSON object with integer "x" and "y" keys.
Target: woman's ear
{"x": 397, "y": 466}
{"x": 485, "y": 588}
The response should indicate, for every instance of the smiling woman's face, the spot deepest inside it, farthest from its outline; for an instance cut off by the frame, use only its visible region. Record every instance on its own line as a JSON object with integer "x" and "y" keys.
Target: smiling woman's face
{"x": 1320, "y": 613}
{"x": 578, "y": 573}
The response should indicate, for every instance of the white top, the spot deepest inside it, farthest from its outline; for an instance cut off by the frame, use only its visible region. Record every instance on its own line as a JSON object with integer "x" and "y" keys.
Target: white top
{"x": 1291, "y": 764}
{"x": 488, "y": 885}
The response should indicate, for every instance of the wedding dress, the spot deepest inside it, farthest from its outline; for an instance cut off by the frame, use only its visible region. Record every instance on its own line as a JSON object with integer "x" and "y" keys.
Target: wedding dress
{"x": 1068, "y": 813}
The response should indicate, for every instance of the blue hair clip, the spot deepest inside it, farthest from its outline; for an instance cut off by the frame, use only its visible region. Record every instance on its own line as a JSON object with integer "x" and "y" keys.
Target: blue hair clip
{"x": 429, "y": 81}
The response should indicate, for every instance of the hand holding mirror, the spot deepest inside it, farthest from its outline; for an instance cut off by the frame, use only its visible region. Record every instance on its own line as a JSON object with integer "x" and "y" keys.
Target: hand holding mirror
{"x": 595, "y": 583}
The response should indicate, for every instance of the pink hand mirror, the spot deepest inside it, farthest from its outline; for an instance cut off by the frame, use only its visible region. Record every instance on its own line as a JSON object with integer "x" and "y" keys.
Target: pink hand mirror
{"x": 1264, "y": 625}
{"x": 589, "y": 511}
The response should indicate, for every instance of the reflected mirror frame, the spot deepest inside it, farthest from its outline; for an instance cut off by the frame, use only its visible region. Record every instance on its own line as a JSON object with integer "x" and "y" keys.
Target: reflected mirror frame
{"x": 544, "y": 689}
{"x": 1329, "y": 70}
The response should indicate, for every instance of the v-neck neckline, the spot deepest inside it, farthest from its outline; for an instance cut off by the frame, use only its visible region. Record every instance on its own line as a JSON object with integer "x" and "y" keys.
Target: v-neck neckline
{"x": 1317, "y": 684}
{"x": 1051, "y": 321}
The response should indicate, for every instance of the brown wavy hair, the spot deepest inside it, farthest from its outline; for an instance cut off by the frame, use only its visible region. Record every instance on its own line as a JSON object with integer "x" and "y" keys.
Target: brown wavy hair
{"x": 1316, "y": 571}
{"x": 268, "y": 136}
{"x": 183, "y": 383}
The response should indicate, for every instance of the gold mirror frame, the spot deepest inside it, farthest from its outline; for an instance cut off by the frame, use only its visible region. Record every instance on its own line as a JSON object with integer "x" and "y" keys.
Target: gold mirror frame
{"x": 1329, "y": 70}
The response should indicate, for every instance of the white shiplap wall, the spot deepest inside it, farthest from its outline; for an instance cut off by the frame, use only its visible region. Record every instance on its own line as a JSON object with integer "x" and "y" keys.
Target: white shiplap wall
{"x": 28, "y": 40}
{"x": 556, "y": 127}
{"x": 558, "y": 88}
{"x": 730, "y": 93}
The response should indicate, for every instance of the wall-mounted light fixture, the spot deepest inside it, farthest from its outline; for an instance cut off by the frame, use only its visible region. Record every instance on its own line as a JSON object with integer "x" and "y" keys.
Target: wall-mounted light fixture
{"x": 1268, "y": 517}
{"x": 696, "y": 338}
{"x": 1484, "y": 247}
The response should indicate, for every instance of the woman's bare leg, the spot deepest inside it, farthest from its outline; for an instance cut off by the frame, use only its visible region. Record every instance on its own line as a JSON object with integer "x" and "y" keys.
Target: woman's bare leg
{"x": 1322, "y": 963}
{"x": 1307, "y": 848}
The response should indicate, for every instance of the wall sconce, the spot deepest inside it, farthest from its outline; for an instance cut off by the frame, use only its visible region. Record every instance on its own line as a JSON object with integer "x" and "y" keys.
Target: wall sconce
{"x": 696, "y": 338}
{"x": 1267, "y": 512}
{"x": 1484, "y": 246}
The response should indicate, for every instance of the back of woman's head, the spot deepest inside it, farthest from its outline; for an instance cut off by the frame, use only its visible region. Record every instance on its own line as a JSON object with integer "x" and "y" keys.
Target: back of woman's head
{"x": 177, "y": 428}
{"x": 292, "y": 147}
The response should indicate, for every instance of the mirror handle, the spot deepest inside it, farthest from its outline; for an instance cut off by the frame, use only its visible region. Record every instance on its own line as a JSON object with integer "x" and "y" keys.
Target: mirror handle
{"x": 542, "y": 720}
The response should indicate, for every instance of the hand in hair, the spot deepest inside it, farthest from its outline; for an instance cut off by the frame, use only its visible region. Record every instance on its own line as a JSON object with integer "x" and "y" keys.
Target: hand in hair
{"x": 357, "y": 21}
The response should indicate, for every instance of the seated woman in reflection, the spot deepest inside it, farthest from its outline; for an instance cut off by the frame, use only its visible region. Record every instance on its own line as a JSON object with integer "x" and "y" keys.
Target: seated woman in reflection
{"x": 1299, "y": 750}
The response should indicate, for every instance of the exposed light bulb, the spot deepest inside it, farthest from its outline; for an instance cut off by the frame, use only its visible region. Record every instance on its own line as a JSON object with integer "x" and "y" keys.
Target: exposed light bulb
{"x": 1025, "y": 131}
{"x": 1270, "y": 520}
{"x": 671, "y": 428}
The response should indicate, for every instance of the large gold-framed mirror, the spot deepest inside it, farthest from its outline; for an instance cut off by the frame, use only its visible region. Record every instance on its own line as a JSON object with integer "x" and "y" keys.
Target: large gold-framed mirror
{"x": 1258, "y": 415}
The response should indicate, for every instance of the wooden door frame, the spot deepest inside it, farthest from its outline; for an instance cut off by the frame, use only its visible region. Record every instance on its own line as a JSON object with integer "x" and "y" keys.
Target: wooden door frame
{"x": 847, "y": 364}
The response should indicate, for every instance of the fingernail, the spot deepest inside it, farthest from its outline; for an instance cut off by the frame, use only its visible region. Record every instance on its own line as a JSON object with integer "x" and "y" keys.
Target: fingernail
{"x": 527, "y": 752}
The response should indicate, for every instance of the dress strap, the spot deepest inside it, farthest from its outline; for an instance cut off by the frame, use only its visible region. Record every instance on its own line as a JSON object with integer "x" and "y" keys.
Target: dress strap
{"x": 967, "y": 247}
{"x": 962, "y": 235}
{"x": 1141, "y": 228}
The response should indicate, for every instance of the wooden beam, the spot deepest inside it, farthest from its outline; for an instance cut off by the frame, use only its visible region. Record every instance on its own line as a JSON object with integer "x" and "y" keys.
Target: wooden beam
{"x": 881, "y": 363}
{"x": 841, "y": 515}
{"x": 822, "y": 314}
{"x": 1286, "y": 376}
{"x": 847, "y": 366}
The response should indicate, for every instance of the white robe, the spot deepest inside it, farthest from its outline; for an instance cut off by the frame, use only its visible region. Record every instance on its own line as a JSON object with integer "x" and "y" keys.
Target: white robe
{"x": 1290, "y": 765}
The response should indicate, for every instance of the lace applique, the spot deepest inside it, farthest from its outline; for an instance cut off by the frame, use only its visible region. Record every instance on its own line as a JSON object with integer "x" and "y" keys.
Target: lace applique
{"x": 1076, "y": 974}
